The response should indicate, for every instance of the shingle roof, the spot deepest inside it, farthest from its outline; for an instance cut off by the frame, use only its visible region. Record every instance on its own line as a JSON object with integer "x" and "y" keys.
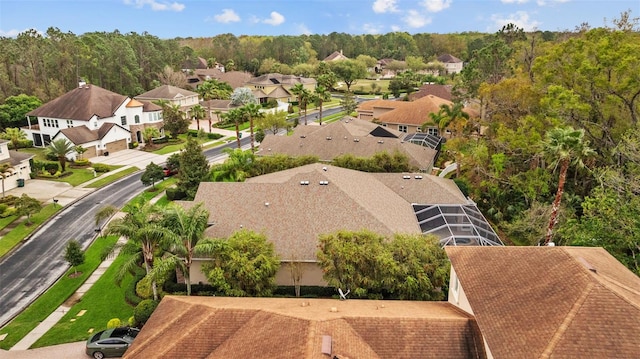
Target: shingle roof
{"x": 347, "y": 137}
{"x": 82, "y": 134}
{"x": 219, "y": 327}
{"x": 335, "y": 56}
{"x": 275, "y": 79}
{"x": 560, "y": 302}
{"x": 17, "y": 157}
{"x": 442, "y": 91}
{"x": 293, "y": 215}
{"x": 167, "y": 92}
{"x": 414, "y": 112}
{"x": 448, "y": 58}
{"x": 81, "y": 104}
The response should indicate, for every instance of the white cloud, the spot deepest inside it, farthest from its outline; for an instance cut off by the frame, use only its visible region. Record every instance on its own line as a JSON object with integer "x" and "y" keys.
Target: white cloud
{"x": 156, "y": 5}
{"x": 551, "y": 2}
{"x": 520, "y": 19}
{"x": 11, "y": 33}
{"x": 514, "y": 1}
{"x": 275, "y": 19}
{"x": 383, "y": 6}
{"x": 436, "y": 5}
{"x": 372, "y": 29}
{"x": 415, "y": 19}
{"x": 227, "y": 16}
{"x": 395, "y": 28}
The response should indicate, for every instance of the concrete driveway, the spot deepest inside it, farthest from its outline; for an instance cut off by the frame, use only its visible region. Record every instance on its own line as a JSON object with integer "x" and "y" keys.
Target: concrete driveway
{"x": 62, "y": 351}
{"x": 127, "y": 157}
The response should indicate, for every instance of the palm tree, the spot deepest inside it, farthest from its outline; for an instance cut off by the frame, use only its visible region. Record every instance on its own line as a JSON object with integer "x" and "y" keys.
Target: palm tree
{"x": 15, "y": 135}
{"x": 235, "y": 116}
{"x": 198, "y": 112}
{"x": 61, "y": 148}
{"x": 236, "y": 168}
{"x": 321, "y": 95}
{"x": 144, "y": 234}
{"x": 298, "y": 90}
{"x": 252, "y": 111}
{"x": 186, "y": 240}
{"x": 149, "y": 134}
{"x": 305, "y": 98}
{"x": 564, "y": 146}
{"x": 453, "y": 113}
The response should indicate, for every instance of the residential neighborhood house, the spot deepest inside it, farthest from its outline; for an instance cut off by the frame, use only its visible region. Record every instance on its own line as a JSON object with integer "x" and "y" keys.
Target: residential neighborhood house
{"x": 15, "y": 167}
{"x": 335, "y": 56}
{"x": 293, "y": 207}
{"x": 174, "y": 96}
{"x": 548, "y": 302}
{"x": 219, "y": 327}
{"x": 277, "y": 86}
{"x": 452, "y": 64}
{"x": 97, "y": 119}
{"x": 348, "y": 136}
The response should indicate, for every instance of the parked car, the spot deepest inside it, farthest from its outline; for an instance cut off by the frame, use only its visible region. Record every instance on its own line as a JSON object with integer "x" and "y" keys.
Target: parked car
{"x": 111, "y": 342}
{"x": 169, "y": 171}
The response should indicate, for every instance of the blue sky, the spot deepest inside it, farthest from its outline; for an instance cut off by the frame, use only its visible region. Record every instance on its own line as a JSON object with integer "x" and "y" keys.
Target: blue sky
{"x": 206, "y": 18}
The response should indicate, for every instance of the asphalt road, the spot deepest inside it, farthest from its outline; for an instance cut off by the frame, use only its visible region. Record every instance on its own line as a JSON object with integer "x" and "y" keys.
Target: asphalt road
{"x": 37, "y": 264}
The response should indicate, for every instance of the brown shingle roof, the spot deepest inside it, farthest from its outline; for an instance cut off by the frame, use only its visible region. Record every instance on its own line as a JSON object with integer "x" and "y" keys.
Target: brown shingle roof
{"x": 414, "y": 112}
{"x": 275, "y": 79}
{"x": 448, "y": 58}
{"x": 351, "y": 200}
{"x": 166, "y": 92}
{"x": 82, "y": 134}
{"x": 560, "y": 302}
{"x": 312, "y": 140}
{"x": 442, "y": 91}
{"x": 219, "y": 327}
{"x": 335, "y": 56}
{"x": 81, "y": 104}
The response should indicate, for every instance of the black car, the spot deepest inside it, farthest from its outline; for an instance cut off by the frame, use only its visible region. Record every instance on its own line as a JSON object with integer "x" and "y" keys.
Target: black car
{"x": 111, "y": 342}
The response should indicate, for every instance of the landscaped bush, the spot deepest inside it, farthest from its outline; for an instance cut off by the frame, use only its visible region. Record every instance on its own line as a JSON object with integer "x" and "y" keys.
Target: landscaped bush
{"x": 214, "y": 136}
{"x": 114, "y": 323}
{"x": 22, "y": 144}
{"x": 174, "y": 194}
{"x": 101, "y": 167}
{"x": 159, "y": 140}
{"x": 133, "y": 145}
{"x": 143, "y": 311}
{"x": 130, "y": 295}
{"x": 81, "y": 162}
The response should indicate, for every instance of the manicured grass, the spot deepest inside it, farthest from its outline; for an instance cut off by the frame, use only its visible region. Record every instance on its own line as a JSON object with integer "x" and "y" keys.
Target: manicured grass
{"x": 103, "y": 301}
{"x": 4, "y": 222}
{"x": 147, "y": 195}
{"x": 21, "y": 231}
{"x": 112, "y": 178}
{"x": 364, "y": 85}
{"x": 37, "y": 152}
{"x": 77, "y": 176}
{"x": 50, "y": 300}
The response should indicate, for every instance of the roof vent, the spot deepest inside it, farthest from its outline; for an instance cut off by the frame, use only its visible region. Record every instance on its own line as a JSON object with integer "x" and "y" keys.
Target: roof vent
{"x": 406, "y": 177}
{"x": 356, "y": 140}
{"x": 304, "y": 183}
{"x": 324, "y": 183}
{"x": 266, "y": 204}
{"x": 380, "y": 141}
{"x": 328, "y": 138}
{"x": 303, "y": 136}
{"x": 324, "y": 168}
{"x": 418, "y": 177}
{"x": 326, "y": 344}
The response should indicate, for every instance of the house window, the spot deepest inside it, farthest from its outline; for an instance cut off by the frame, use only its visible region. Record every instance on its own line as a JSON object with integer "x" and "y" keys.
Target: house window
{"x": 433, "y": 131}
{"x": 123, "y": 120}
{"x": 455, "y": 288}
{"x": 402, "y": 128}
{"x": 56, "y": 123}
{"x": 69, "y": 123}
{"x": 136, "y": 119}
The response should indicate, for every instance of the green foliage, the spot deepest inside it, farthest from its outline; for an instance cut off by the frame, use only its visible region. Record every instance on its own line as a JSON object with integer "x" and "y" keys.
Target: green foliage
{"x": 245, "y": 264}
{"x": 174, "y": 194}
{"x": 114, "y": 323}
{"x": 152, "y": 174}
{"x": 28, "y": 206}
{"x": 73, "y": 254}
{"x": 194, "y": 168}
{"x": 14, "y": 109}
{"x": 143, "y": 311}
{"x": 101, "y": 167}
{"x": 379, "y": 162}
{"x": 60, "y": 148}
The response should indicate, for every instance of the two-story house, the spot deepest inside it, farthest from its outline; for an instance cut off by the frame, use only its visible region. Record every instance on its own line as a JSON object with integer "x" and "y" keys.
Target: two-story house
{"x": 97, "y": 119}
{"x": 14, "y": 167}
{"x": 278, "y": 86}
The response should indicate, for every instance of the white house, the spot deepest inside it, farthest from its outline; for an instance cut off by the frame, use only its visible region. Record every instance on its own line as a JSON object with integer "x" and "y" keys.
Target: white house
{"x": 97, "y": 119}
{"x": 14, "y": 166}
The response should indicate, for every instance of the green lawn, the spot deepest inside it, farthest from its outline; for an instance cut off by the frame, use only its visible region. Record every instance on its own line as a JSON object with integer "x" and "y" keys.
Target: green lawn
{"x": 4, "y": 222}
{"x": 20, "y": 232}
{"x": 112, "y": 178}
{"x": 42, "y": 307}
{"x": 103, "y": 301}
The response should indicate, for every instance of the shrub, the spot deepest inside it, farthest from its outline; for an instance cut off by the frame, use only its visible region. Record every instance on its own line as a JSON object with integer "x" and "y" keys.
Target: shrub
{"x": 81, "y": 162}
{"x": 21, "y": 144}
{"x": 8, "y": 212}
{"x": 114, "y": 323}
{"x": 214, "y": 136}
{"x": 163, "y": 139}
{"x": 133, "y": 145}
{"x": 174, "y": 194}
{"x": 143, "y": 311}
{"x": 143, "y": 288}
{"x": 101, "y": 167}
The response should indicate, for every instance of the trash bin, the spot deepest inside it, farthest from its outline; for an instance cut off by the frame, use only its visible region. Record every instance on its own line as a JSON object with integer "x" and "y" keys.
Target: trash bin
{"x": 20, "y": 182}
{"x": 106, "y": 153}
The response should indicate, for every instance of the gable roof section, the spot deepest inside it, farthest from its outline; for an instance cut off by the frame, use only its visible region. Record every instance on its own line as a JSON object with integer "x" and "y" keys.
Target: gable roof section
{"x": 442, "y": 91}
{"x": 336, "y": 56}
{"x": 82, "y": 134}
{"x": 448, "y": 58}
{"x": 350, "y": 200}
{"x": 279, "y": 92}
{"x": 338, "y": 138}
{"x": 17, "y": 157}
{"x": 279, "y": 79}
{"x": 81, "y": 104}
{"x": 565, "y": 302}
{"x": 219, "y": 327}
{"x": 166, "y": 92}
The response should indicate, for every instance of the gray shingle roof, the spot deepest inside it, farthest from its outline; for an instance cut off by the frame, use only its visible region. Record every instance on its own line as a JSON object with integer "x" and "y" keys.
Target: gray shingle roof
{"x": 167, "y": 92}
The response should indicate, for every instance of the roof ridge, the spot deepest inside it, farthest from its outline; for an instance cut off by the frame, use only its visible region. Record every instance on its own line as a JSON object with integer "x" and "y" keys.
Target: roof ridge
{"x": 608, "y": 279}
{"x": 567, "y": 321}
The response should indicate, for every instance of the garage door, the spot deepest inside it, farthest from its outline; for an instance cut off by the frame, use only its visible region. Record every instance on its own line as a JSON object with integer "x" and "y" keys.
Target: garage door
{"x": 117, "y": 146}
{"x": 90, "y": 152}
